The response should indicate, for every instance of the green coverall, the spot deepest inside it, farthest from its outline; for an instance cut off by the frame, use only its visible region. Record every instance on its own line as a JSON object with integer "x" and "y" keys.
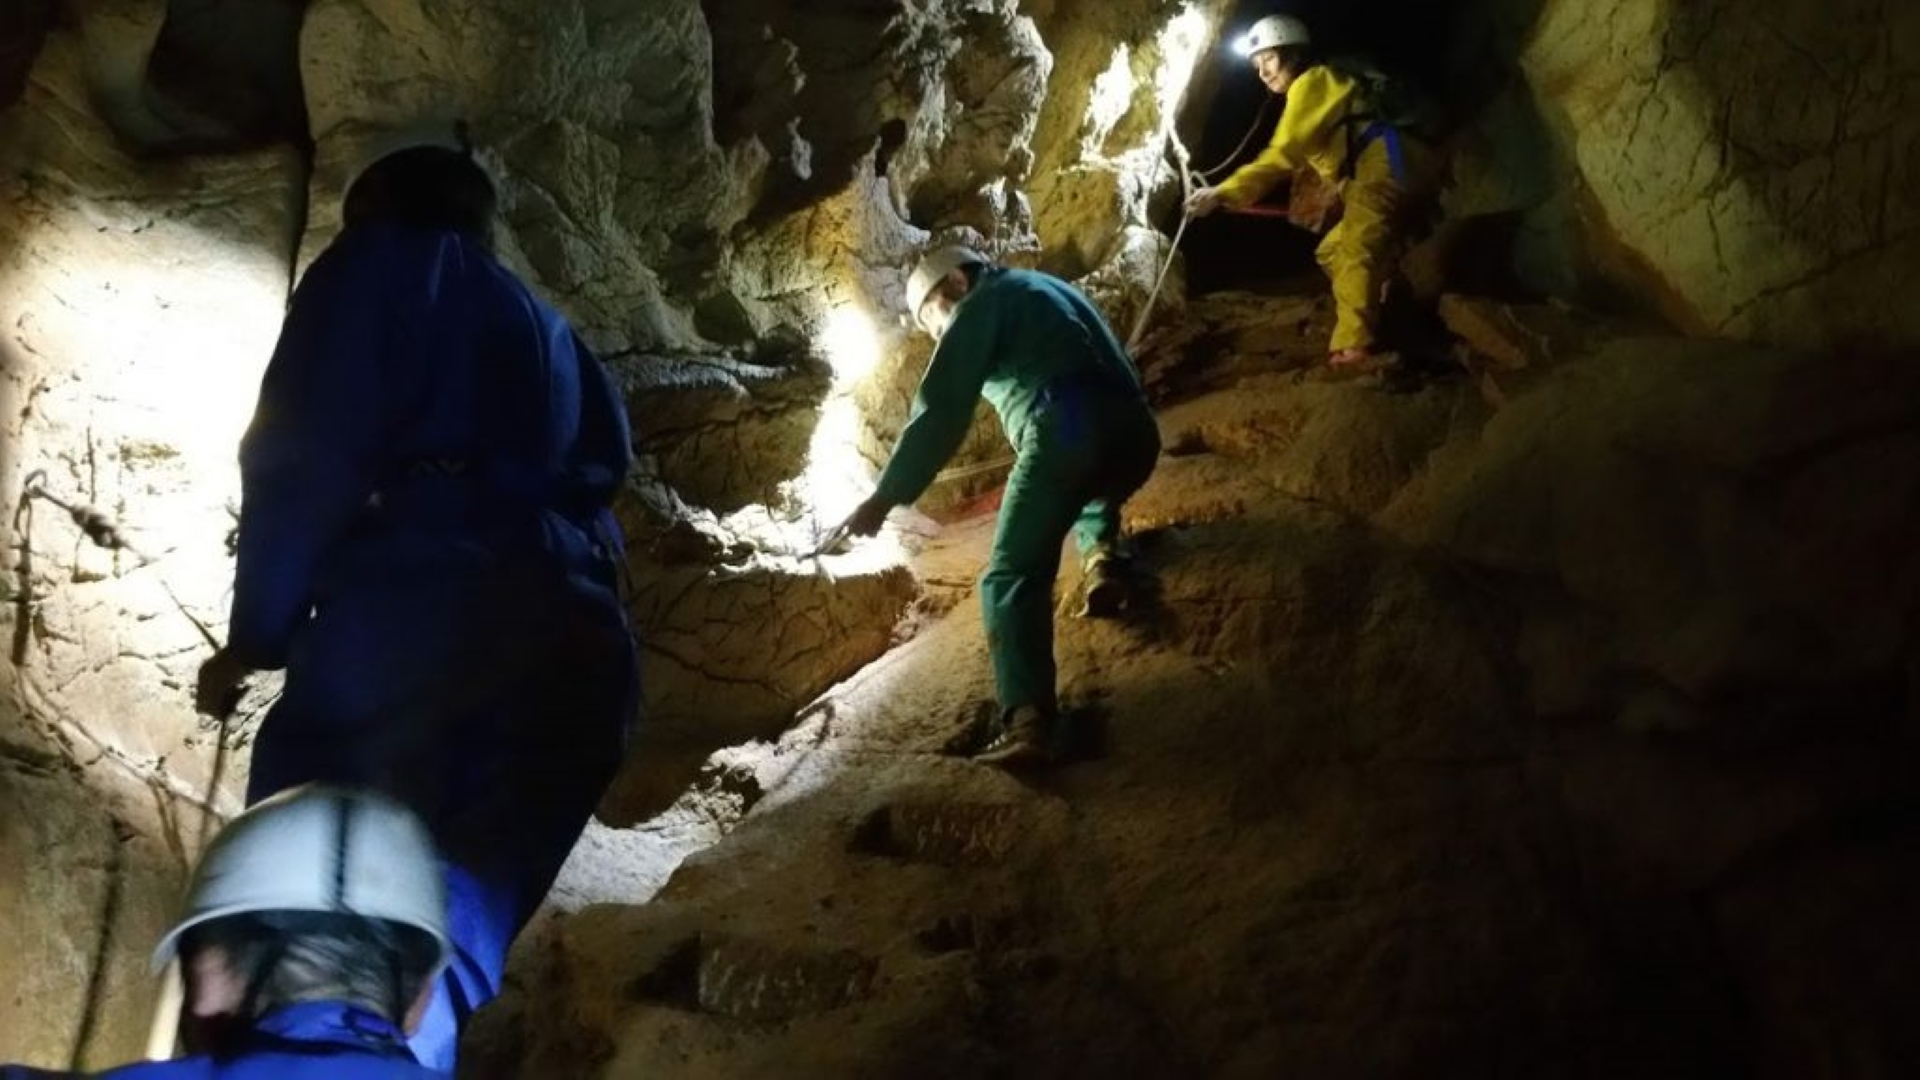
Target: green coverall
{"x": 1072, "y": 405}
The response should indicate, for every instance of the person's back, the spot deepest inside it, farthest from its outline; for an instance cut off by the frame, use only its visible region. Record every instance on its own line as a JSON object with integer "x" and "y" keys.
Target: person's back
{"x": 423, "y": 405}
{"x": 312, "y": 1041}
{"x": 426, "y": 545}
{"x": 1039, "y": 332}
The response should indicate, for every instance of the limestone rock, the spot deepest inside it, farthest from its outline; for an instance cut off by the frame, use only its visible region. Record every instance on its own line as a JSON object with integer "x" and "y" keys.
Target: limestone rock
{"x": 725, "y": 432}
{"x": 143, "y": 304}
{"x": 600, "y": 127}
{"x": 1504, "y": 346}
{"x": 225, "y": 75}
{"x": 1748, "y": 174}
{"x": 1329, "y": 820}
{"x": 1749, "y": 555}
{"x": 22, "y": 29}
{"x": 1144, "y": 269}
{"x": 1507, "y": 337}
{"x": 1102, "y": 147}
{"x": 1341, "y": 445}
{"x": 86, "y": 900}
{"x": 1221, "y": 337}
{"x": 730, "y": 653}
{"x": 987, "y": 121}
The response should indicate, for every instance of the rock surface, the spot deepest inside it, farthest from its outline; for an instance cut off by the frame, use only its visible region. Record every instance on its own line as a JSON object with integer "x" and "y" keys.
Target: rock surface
{"x": 81, "y": 991}
{"x": 139, "y": 303}
{"x": 1406, "y": 772}
{"x": 1557, "y": 720}
{"x": 136, "y": 413}
{"x": 1749, "y": 173}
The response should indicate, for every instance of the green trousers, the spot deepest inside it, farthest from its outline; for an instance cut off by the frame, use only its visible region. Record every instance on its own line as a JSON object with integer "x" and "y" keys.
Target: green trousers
{"x": 1084, "y": 452}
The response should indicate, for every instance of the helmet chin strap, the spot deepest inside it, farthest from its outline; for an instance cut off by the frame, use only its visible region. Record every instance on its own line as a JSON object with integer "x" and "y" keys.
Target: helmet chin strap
{"x": 935, "y": 315}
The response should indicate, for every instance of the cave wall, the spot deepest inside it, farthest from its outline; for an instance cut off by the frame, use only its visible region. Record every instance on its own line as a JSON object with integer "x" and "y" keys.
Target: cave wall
{"x": 22, "y": 27}
{"x": 1744, "y": 173}
{"x": 1568, "y": 731}
{"x": 726, "y": 198}
{"x": 140, "y": 301}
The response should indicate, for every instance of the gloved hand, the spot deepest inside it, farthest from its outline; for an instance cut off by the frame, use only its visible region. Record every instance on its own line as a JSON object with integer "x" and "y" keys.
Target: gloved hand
{"x": 867, "y": 518}
{"x": 222, "y": 679}
{"x": 1204, "y": 202}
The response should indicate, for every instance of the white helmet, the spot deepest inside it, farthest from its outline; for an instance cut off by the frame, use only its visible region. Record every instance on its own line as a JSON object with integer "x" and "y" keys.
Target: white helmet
{"x": 318, "y": 848}
{"x": 1273, "y": 32}
{"x": 933, "y": 268}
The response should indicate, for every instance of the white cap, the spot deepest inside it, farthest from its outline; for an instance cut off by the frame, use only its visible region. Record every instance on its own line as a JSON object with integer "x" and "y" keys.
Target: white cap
{"x": 1273, "y": 32}
{"x": 317, "y": 848}
{"x": 933, "y": 268}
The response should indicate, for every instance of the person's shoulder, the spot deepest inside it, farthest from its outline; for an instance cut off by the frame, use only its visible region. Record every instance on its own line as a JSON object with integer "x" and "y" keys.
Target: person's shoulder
{"x": 391, "y": 246}
{"x": 1019, "y": 279}
{"x": 1321, "y": 79}
{"x": 1039, "y": 281}
{"x": 356, "y": 258}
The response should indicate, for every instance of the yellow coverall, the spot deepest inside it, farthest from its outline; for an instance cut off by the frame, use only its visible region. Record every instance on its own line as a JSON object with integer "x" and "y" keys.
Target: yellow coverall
{"x": 1358, "y": 253}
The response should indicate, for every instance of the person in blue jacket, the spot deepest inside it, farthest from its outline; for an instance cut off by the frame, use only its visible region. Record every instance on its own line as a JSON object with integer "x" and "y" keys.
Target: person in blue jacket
{"x": 1071, "y": 402}
{"x": 426, "y": 547}
{"x": 313, "y": 929}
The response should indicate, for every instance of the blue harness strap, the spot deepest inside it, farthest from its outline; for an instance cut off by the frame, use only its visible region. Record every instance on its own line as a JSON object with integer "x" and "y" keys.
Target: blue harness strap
{"x": 1396, "y": 148}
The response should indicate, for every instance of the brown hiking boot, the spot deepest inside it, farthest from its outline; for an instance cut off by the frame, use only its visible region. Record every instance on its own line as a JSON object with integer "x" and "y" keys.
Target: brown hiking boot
{"x": 1029, "y": 736}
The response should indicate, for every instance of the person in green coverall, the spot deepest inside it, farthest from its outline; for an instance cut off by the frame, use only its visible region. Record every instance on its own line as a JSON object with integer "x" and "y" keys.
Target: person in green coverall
{"x": 1071, "y": 403}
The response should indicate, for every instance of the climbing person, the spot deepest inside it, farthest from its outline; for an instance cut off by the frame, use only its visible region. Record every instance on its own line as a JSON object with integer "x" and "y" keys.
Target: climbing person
{"x": 1071, "y": 403}
{"x": 1338, "y": 123}
{"x": 314, "y": 926}
{"x": 425, "y": 546}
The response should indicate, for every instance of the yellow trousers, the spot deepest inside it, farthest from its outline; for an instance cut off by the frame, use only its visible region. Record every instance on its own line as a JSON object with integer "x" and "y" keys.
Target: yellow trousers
{"x": 1362, "y": 252}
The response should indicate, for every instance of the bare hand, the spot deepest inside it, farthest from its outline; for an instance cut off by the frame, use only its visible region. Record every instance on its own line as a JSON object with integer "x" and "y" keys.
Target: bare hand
{"x": 866, "y": 518}
{"x": 222, "y": 680}
{"x": 1204, "y": 202}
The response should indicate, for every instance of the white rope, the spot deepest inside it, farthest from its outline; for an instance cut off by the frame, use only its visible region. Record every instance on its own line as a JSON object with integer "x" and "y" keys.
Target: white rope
{"x": 1187, "y": 177}
{"x": 1207, "y": 174}
{"x": 1173, "y": 250}
{"x": 962, "y": 472}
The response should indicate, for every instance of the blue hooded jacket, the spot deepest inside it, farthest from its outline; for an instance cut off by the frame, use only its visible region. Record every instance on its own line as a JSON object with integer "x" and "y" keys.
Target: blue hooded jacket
{"x": 310, "y": 1041}
{"x": 417, "y": 376}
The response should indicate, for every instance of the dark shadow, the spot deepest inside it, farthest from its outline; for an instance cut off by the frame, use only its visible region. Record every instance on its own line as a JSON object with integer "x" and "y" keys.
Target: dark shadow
{"x": 23, "y": 26}
{"x": 13, "y": 376}
{"x": 225, "y": 74}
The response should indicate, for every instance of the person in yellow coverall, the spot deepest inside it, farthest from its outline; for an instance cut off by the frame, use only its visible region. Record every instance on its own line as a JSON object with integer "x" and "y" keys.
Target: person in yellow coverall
{"x": 1326, "y": 127}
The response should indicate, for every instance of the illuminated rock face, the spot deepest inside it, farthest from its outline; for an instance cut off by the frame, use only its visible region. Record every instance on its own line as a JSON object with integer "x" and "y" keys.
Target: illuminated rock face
{"x": 1749, "y": 176}
{"x": 139, "y": 304}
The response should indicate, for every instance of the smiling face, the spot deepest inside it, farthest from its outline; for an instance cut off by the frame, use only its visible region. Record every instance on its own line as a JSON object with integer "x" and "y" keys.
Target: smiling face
{"x": 1276, "y": 75}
